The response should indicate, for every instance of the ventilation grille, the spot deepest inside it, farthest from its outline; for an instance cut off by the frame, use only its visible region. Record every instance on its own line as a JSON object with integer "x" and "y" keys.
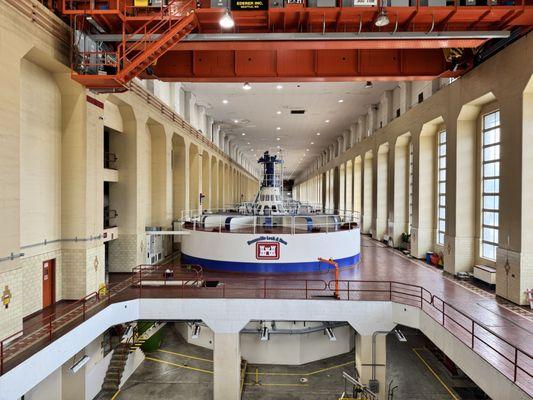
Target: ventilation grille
{"x": 297, "y": 111}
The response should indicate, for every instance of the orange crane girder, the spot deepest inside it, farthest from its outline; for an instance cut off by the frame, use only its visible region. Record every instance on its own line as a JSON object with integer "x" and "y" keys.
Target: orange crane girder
{"x": 307, "y": 65}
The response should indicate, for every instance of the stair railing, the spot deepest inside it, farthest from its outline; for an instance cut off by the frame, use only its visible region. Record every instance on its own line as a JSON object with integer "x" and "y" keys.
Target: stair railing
{"x": 165, "y": 16}
{"x": 130, "y": 341}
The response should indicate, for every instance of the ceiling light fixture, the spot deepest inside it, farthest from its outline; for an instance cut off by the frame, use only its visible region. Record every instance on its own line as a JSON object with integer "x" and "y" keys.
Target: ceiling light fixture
{"x": 236, "y": 121}
{"x": 196, "y": 331}
{"x": 306, "y": 149}
{"x": 382, "y": 19}
{"x": 279, "y": 87}
{"x": 341, "y": 101}
{"x": 224, "y": 101}
{"x": 330, "y": 334}
{"x": 226, "y": 22}
{"x": 368, "y": 85}
{"x": 243, "y": 134}
{"x": 278, "y": 139}
{"x": 247, "y": 86}
{"x": 278, "y": 128}
{"x": 278, "y": 112}
{"x": 79, "y": 365}
{"x": 318, "y": 133}
{"x": 327, "y": 121}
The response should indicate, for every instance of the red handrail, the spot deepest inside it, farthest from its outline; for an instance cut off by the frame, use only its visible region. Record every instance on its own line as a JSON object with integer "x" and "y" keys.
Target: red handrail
{"x": 469, "y": 330}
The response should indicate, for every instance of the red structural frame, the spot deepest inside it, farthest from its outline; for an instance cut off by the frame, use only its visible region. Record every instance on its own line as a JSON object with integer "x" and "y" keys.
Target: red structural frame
{"x": 154, "y": 282}
{"x": 173, "y": 59}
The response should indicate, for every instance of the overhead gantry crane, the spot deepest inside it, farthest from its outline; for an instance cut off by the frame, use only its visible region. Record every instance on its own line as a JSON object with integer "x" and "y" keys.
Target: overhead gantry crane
{"x": 114, "y": 41}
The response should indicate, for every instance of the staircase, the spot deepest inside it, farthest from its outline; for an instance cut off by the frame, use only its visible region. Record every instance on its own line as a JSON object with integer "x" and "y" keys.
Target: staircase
{"x": 116, "y": 369}
{"x": 158, "y": 35}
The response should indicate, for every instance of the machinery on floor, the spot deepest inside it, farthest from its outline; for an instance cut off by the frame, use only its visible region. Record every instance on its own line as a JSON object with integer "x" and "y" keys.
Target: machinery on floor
{"x": 272, "y": 234}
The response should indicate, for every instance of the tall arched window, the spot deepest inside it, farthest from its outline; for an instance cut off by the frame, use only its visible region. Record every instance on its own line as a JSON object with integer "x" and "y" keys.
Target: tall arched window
{"x": 441, "y": 188}
{"x": 490, "y": 184}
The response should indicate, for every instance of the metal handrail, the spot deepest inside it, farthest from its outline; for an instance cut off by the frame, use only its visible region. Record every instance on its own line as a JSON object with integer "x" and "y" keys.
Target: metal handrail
{"x": 398, "y": 292}
{"x": 163, "y": 17}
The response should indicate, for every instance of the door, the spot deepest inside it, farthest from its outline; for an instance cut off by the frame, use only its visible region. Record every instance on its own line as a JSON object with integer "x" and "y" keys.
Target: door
{"x": 48, "y": 282}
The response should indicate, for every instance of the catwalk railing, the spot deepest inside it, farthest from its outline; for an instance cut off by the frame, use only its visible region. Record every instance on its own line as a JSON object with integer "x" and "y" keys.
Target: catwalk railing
{"x": 238, "y": 220}
{"x": 511, "y": 360}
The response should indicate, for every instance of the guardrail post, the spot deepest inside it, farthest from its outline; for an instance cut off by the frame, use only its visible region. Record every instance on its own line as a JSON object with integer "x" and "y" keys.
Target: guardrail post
{"x": 515, "y": 364}
{"x": 348, "y": 289}
{"x": 140, "y": 282}
{"x": 264, "y": 288}
{"x": 473, "y": 327}
{"x": 306, "y": 288}
{"x": 390, "y": 290}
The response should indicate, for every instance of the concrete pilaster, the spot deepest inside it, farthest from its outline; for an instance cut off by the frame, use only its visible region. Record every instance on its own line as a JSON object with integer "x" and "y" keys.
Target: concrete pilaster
{"x": 368, "y": 366}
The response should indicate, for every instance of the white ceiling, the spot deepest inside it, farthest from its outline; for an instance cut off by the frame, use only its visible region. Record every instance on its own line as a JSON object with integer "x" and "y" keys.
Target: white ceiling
{"x": 256, "y": 112}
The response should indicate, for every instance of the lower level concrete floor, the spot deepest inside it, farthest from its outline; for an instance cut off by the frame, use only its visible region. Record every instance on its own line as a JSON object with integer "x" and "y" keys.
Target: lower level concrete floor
{"x": 182, "y": 371}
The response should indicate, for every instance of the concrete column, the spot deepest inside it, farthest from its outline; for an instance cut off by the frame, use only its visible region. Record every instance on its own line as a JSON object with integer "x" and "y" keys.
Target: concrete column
{"x": 127, "y": 195}
{"x": 206, "y": 180}
{"x": 380, "y": 179}
{"x": 371, "y": 360}
{"x": 10, "y": 120}
{"x": 349, "y": 185}
{"x": 398, "y": 215}
{"x": 190, "y": 108}
{"x": 371, "y": 121}
{"x": 209, "y": 127}
{"x": 514, "y": 268}
{"x": 357, "y": 185}
{"x": 216, "y": 134}
{"x": 336, "y": 182}
{"x": 461, "y": 190}
{"x": 201, "y": 119}
{"x": 422, "y": 233}
{"x": 405, "y": 96}
{"x": 340, "y": 145}
{"x": 226, "y": 358}
{"x": 361, "y": 128}
{"x": 180, "y": 180}
{"x": 367, "y": 192}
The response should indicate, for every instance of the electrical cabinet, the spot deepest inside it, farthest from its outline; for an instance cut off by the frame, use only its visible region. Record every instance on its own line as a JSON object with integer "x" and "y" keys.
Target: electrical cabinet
{"x": 276, "y": 4}
{"x": 154, "y": 245}
{"x": 359, "y": 3}
{"x": 219, "y": 3}
{"x": 321, "y": 3}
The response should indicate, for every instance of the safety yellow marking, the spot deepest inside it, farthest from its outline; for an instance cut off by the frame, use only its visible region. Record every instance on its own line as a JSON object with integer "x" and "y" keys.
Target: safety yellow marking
{"x": 115, "y": 395}
{"x": 186, "y": 356}
{"x": 299, "y": 374}
{"x": 277, "y": 384}
{"x": 205, "y": 371}
{"x": 454, "y": 397}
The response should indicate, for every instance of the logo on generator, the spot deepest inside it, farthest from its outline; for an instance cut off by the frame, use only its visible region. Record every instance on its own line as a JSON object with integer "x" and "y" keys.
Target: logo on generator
{"x": 267, "y": 250}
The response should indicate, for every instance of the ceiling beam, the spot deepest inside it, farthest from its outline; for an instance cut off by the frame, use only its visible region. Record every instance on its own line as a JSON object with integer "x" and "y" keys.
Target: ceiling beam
{"x": 300, "y": 65}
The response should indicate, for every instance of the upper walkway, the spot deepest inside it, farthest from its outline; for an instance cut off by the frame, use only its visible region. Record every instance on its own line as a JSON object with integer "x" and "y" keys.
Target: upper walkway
{"x": 503, "y": 337}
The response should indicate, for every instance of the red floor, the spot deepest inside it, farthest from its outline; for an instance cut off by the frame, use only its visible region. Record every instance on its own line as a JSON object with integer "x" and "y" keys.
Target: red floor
{"x": 379, "y": 264}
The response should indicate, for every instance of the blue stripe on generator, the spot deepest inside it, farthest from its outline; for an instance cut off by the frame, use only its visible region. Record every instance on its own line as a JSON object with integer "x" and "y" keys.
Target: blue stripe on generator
{"x": 266, "y": 267}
